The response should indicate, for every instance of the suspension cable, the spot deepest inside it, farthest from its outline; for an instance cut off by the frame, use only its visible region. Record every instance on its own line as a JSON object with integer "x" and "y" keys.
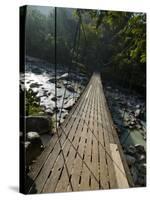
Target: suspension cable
{"x": 69, "y": 69}
{"x": 56, "y": 99}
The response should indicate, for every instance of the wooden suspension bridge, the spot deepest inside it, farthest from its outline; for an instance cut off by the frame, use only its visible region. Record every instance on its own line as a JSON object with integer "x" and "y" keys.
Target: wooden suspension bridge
{"x": 85, "y": 154}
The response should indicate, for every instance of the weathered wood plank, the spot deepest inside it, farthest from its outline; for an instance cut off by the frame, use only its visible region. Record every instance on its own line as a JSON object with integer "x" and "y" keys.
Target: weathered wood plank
{"x": 78, "y": 166}
{"x": 95, "y": 148}
{"x": 111, "y": 172}
{"x": 119, "y": 169}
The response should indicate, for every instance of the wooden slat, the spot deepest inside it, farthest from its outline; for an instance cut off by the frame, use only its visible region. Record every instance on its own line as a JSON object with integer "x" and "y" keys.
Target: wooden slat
{"x": 104, "y": 179}
{"x": 95, "y": 148}
{"x": 116, "y": 139}
{"x": 119, "y": 169}
{"x": 77, "y": 170}
{"x": 111, "y": 171}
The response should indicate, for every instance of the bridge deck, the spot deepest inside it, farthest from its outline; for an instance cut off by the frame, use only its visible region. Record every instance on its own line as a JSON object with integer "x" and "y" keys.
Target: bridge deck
{"x": 91, "y": 150}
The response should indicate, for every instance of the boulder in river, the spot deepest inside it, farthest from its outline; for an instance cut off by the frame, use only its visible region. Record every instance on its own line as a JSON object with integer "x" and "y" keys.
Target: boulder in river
{"x": 70, "y": 88}
{"x": 142, "y": 180}
{"x": 142, "y": 168}
{"x": 34, "y": 137}
{"x": 137, "y": 113}
{"x": 49, "y": 111}
{"x": 63, "y": 77}
{"x": 138, "y": 106}
{"x": 38, "y": 124}
{"x": 68, "y": 105}
{"x": 139, "y": 148}
{"x": 131, "y": 150}
{"x": 52, "y": 80}
{"x": 134, "y": 173}
{"x": 54, "y": 99}
{"x": 32, "y": 149}
{"x": 35, "y": 85}
{"x": 142, "y": 158}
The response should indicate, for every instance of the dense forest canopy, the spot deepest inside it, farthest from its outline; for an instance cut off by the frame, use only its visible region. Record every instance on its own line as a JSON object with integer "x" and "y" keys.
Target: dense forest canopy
{"x": 109, "y": 41}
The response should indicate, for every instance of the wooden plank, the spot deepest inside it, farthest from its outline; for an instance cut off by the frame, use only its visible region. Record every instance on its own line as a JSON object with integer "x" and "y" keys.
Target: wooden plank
{"x": 119, "y": 169}
{"x": 116, "y": 139}
{"x": 86, "y": 174}
{"x": 78, "y": 164}
{"x": 112, "y": 179}
{"x": 104, "y": 178}
{"x": 95, "y": 149}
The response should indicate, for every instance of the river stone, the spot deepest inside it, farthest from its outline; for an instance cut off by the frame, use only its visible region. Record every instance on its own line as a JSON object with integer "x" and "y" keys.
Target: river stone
{"x": 141, "y": 158}
{"x": 34, "y": 137}
{"x": 70, "y": 88}
{"x": 58, "y": 85}
{"x": 32, "y": 151}
{"x": 130, "y": 160}
{"x": 49, "y": 111}
{"x": 134, "y": 173}
{"x": 33, "y": 85}
{"x": 68, "y": 105}
{"x": 139, "y": 148}
{"x": 131, "y": 150}
{"x": 54, "y": 99}
{"x": 137, "y": 113}
{"x": 138, "y": 106}
{"x": 142, "y": 168}
{"x": 64, "y": 76}
{"x": 142, "y": 180}
{"x": 38, "y": 124}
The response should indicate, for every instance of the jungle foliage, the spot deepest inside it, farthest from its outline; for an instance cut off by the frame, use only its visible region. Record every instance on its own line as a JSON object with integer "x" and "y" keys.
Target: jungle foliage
{"x": 112, "y": 42}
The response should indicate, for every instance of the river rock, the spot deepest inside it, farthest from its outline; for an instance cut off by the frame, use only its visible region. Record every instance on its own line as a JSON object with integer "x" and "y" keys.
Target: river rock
{"x": 64, "y": 76}
{"x": 142, "y": 168}
{"x": 134, "y": 173}
{"x": 52, "y": 80}
{"x": 108, "y": 87}
{"x": 49, "y": 111}
{"x": 34, "y": 137}
{"x": 65, "y": 82}
{"x": 138, "y": 106}
{"x": 70, "y": 88}
{"x": 32, "y": 150}
{"x": 38, "y": 124}
{"x": 130, "y": 160}
{"x": 139, "y": 148}
{"x": 68, "y": 105}
{"x": 142, "y": 158}
{"x": 54, "y": 99}
{"x": 33, "y": 85}
{"x": 137, "y": 113}
{"x": 142, "y": 180}
{"x": 131, "y": 150}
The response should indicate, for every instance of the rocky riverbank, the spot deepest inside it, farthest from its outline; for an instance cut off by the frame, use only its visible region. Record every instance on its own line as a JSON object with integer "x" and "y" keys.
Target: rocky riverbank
{"x": 40, "y": 77}
{"x": 39, "y": 81}
{"x": 129, "y": 115}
